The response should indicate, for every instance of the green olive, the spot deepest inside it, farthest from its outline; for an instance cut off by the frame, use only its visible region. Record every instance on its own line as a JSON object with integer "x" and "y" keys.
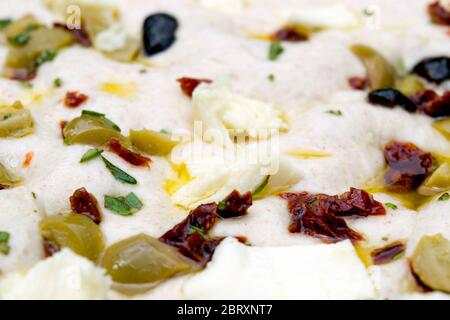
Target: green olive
{"x": 152, "y": 142}
{"x": 15, "y": 121}
{"x": 443, "y": 126}
{"x": 74, "y": 231}
{"x": 24, "y": 24}
{"x": 7, "y": 178}
{"x": 431, "y": 262}
{"x": 93, "y": 130}
{"x": 128, "y": 53}
{"x": 142, "y": 260}
{"x": 41, "y": 40}
{"x": 380, "y": 73}
{"x": 439, "y": 181}
{"x": 410, "y": 85}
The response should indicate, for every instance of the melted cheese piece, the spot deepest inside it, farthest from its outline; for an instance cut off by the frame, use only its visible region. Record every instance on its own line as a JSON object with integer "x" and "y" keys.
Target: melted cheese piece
{"x": 63, "y": 276}
{"x": 211, "y": 173}
{"x": 324, "y": 271}
{"x": 223, "y": 112}
{"x": 334, "y": 16}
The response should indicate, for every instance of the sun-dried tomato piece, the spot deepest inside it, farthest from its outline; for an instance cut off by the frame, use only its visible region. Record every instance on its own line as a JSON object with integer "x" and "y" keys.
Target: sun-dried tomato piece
{"x": 407, "y": 164}
{"x": 190, "y": 235}
{"x": 358, "y": 83}
{"x": 356, "y": 202}
{"x": 85, "y": 203}
{"x": 75, "y": 99}
{"x": 432, "y": 104}
{"x": 388, "y": 253}
{"x": 288, "y": 34}
{"x": 4, "y": 187}
{"x": 311, "y": 215}
{"x": 235, "y": 205}
{"x": 188, "y": 85}
{"x": 439, "y": 14}
{"x": 129, "y": 156}
{"x": 50, "y": 248}
{"x": 79, "y": 35}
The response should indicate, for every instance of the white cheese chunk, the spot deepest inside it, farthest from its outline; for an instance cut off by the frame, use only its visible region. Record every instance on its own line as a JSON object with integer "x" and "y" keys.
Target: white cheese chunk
{"x": 63, "y": 276}
{"x": 111, "y": 39}
{"x": 335, "y": 16}
{"x": 324, "y": 271}
{"x": 213, "y": 173}
{"x": 227, "y": 113}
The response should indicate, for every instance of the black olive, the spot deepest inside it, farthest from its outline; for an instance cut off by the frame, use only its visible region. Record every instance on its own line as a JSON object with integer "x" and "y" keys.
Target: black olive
{"x": 390, "y": 98}
{"x": 435, "y": 69}
{"x": 159, "y": 32}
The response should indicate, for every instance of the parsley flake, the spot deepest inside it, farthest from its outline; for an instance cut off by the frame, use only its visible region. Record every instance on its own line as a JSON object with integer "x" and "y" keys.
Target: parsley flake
{"x": 335, "y": 112}
{"x": 124, "y": 206}
{"x": 390, "y": 205}
{"x": 4, "y": 242}
{"x": 91, "y": 154}
{"x": 45, "y": 56}
{"x": 57, "y": 83}
{"x": 118, "y": 173}
{"x": 275, "y": 50}
{"x": 271, "y": 77}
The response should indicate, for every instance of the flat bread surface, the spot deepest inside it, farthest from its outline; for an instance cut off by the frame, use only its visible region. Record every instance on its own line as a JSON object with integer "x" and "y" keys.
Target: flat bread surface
{"x": 329, "y": 137}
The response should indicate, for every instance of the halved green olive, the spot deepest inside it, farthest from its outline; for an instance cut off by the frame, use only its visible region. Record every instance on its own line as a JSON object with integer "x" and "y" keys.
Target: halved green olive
{"x": 439, "y": 181}
{"x": 431, "y": 262}
{"x": 93, "y": 130}
{"x": 410, "y": 85}
{"x": 41, "y": 40}
{"x": 76, "y": 232}
{"x": 152, "y": 142}
{"x": 7, "y": 178}
{"x": 15, "y": 121}
{"x": 24, "y": 24}
{"x": 128, "y": 53}
{"x": 443, "y": 126}
{"x": 380, "y": 73}
{"x": 142, "y": 260}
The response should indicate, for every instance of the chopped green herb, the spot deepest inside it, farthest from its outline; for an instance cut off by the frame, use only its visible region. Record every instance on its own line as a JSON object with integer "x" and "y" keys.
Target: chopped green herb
{"x": 101, "y": 115}
{"x": 124, "y": 206}
{"x": 444, "y": 197}
{"x": 275, "y": 50}
{"x": 271, "y": 77}
{"x": 398, "y": 256}
{"x": 335, "y": 112}
{"x": 4, "y": 242}
{"x": 91, "y": 154}
{"x": 5, "y": 22}
{"x": 142, "y": 71}
{"x": 45, "y": 56}
{"x": 57, "y": 83}
{"x": 134, "y": 201}
{"x": 21, "y": 39}
{"x": 261, "y": 186}
{"x": 221, "y": 206}
{"x": 391, "y": 206}
{"x": 118, "y": 173}
{"x": 164, "y": 131}
{"x": 193, "y": 229}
